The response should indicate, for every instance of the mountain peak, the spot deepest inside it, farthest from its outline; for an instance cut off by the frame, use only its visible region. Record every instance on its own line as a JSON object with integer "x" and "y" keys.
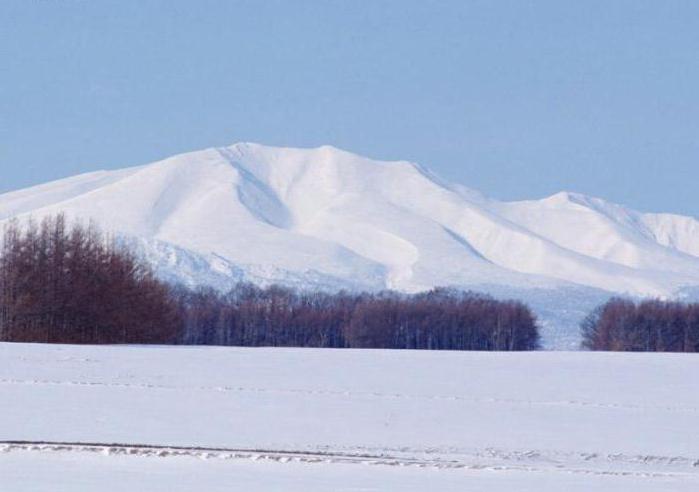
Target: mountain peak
{"x": 336, "y": 218}
{"x": 567, "y": 197}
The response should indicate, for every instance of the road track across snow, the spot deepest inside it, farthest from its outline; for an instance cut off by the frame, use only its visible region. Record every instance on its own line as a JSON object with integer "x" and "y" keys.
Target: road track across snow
{"x": 532, "y": 461}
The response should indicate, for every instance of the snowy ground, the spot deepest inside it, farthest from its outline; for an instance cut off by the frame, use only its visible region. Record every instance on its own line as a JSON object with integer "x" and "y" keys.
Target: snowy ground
{"x": 180, "y": 419}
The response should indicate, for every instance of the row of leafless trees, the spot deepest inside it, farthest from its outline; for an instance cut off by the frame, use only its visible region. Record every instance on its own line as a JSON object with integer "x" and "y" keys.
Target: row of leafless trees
{"x": 438, "y": 320}
{"x": 648, "y": 326}
{"x": 62, "y": 283}
{"x": 71, "y": 284}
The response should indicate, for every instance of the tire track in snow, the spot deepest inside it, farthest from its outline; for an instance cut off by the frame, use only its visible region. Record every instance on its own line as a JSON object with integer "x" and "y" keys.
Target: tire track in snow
{"x": 329, "y": 457}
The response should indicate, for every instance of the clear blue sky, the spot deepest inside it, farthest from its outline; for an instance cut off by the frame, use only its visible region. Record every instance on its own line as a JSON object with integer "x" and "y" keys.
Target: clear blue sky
{"x": 519, "y": 99}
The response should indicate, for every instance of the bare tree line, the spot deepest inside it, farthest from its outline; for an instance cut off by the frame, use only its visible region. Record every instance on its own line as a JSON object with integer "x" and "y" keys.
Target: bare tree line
{"x": 441, "y": 319}
{"x": 71, "y": 284}
{"x": 62, "y": 283}
{"x": 647, "y": 326}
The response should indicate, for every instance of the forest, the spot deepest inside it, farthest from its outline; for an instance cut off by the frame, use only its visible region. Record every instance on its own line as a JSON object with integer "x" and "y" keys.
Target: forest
{"x": 64, "y": 282}
{"x": 646, "y": 326}
{"x": 441, "y": 319}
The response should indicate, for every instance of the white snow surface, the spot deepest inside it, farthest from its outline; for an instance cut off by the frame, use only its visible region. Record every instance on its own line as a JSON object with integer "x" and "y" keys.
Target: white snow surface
{"x": 181, "y": 419}
{"x": 330, "y": 219}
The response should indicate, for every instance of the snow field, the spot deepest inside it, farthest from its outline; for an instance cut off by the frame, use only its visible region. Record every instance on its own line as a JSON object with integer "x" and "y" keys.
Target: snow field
{"x": 257, "y": 419}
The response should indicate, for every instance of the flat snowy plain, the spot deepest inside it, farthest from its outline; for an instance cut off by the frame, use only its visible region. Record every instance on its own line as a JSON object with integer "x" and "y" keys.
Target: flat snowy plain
{"x": 183, "y": 419}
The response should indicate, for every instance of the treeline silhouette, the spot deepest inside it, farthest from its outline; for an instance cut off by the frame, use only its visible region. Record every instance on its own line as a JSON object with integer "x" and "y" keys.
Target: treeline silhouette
{"x": 70, "y": 283}
{"x": 647, "y": 326}
{"x": 441, "y": 319}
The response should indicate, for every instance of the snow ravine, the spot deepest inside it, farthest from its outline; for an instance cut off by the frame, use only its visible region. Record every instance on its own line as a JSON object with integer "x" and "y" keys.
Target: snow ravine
{"x": 77, "y": 418}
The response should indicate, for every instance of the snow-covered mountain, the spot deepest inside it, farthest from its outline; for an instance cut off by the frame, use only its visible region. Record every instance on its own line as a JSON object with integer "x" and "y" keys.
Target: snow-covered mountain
{"x": 326, "y": 218}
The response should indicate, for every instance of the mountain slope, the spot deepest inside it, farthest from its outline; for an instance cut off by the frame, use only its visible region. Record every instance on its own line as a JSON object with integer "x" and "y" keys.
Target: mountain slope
{"x": 331, "y": 219}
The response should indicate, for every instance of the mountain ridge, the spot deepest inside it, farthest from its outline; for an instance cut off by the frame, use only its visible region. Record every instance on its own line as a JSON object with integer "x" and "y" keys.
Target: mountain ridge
{"x": 339, "y": 220}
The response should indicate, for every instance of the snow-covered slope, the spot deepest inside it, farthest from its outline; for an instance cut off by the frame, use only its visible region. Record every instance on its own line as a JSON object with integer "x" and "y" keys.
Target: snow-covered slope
{"x": 327, "y": 218}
